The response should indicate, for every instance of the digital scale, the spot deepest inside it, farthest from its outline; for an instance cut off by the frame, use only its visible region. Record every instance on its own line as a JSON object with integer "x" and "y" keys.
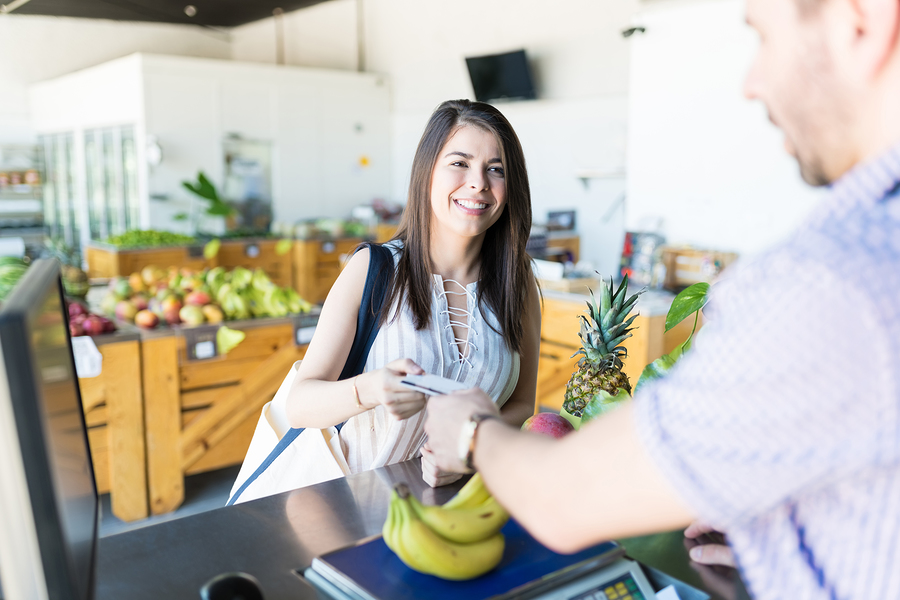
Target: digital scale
{"x": 369, "y": 570}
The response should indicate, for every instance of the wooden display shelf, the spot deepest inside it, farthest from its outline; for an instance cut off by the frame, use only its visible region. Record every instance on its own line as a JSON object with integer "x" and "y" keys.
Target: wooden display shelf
{"x": 114, "y": 413}
{"x": 317, "y": 264}
{"x": 108, "y": 261}
{"x": 200, "y": 415}
{"x": 257, "y": 254}
{"x": 559, "y": 341}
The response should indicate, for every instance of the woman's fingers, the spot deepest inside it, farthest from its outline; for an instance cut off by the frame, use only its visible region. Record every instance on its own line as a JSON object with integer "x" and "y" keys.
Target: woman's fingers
{"x": 696, "y": 529}
{"x": 404, "y": 366}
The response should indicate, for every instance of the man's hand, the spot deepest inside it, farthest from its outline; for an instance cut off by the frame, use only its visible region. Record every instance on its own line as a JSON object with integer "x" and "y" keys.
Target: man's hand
{"x": 711, "y": 548}
{"x": 444, "y": 420}
{"x": 433, "y": 475}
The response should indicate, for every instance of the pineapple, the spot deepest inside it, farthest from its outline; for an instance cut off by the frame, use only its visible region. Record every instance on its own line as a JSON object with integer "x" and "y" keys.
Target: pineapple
{"x": 602, "y": 333}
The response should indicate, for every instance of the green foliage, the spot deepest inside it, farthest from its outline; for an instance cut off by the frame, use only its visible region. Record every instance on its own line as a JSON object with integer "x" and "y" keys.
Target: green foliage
{"x": 149, "y": 238}
{"x": 204, "y": 188}
{"x": 690, "y": 300}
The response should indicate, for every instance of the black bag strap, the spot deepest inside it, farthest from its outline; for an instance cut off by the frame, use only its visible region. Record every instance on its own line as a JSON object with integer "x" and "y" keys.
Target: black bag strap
{"x": 378, "y": 285}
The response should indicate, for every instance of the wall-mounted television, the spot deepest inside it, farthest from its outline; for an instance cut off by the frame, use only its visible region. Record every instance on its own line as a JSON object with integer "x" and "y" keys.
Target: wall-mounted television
{"x": 501, "y": 77}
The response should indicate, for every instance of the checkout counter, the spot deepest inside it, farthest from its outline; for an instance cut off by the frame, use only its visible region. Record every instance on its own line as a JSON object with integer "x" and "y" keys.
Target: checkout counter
{"x": 275, "y": 539}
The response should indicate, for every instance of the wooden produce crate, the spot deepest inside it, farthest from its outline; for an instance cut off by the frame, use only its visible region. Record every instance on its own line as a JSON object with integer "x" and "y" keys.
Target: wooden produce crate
{"x": 257, "y": 254}
{"x": 114, "y": 412}
{"x": 686, "y": 266}
{"x": 573, "y": 285}
{"x": 317, "y": 264}
{"x": 105, "y": 260}
{"x": 559, "y": 341}
{"x": 200, "y": 415}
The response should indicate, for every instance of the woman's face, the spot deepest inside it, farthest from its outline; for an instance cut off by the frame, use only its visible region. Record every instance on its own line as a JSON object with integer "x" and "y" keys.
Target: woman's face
{"x": 468, "y": 188}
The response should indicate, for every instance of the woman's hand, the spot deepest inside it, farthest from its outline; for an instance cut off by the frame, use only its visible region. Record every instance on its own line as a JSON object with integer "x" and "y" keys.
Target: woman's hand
{"x": 432, "y": 475}
{"x": 383, "y": 387}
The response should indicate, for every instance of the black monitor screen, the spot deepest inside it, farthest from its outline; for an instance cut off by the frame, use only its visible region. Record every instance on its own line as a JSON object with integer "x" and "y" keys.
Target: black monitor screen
{"x": 39, "y": 383}
{"x": 501, "y": 76}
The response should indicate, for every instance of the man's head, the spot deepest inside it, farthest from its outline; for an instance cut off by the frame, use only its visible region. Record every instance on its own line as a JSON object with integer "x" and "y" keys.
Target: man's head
{"x": 828, "y": 72}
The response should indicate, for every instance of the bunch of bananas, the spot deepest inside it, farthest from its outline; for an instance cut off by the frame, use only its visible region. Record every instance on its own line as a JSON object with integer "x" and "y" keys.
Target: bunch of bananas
{"x": 459, "y": 540}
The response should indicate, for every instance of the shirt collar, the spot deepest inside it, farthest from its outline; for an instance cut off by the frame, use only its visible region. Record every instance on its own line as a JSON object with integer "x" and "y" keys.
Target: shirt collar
{"x": 870, "y": 182}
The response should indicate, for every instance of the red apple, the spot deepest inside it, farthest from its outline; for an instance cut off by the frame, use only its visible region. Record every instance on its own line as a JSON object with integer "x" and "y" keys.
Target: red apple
{"x": 76, "y": 329}
{"x": 77, "y": 308}
{"x": 549, "y": 424}
{"x": 93, "y": 325}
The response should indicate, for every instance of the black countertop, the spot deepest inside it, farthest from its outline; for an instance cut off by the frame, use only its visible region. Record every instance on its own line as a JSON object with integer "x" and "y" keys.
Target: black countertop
{"x": 272, "y": 537}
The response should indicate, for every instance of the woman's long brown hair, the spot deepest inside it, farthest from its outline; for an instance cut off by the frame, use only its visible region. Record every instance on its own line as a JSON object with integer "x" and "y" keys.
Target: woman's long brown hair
{"x": 506, "y": 274}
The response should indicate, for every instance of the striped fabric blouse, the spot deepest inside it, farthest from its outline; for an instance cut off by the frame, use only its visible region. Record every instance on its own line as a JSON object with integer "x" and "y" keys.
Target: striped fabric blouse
{"x": 374, "y": 439}
{"x": 782, "y": 425}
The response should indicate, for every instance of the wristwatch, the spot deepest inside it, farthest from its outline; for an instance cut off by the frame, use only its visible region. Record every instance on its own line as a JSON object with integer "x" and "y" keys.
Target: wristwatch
{"x": 466, "y": 448}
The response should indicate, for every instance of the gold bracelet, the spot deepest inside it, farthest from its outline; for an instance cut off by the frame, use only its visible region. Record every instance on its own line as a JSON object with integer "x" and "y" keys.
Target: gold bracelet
{"x": 356, "y": 394}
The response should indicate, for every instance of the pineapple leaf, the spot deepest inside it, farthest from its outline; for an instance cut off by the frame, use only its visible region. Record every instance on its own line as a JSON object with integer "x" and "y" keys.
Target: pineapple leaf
{"x": 690, "y": 300}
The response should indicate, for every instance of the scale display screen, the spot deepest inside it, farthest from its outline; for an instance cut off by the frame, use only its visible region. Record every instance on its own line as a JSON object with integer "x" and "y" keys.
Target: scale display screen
{"x": 623, "y": 588}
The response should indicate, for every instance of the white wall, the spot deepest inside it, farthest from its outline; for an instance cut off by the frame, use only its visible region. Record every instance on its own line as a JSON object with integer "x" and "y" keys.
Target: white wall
{"x": 320, "y": 124}
{"x": 323, "y": 35}
{"x": 701, "y": 157}
{"x": 581, "y": 70}
{"x": 35, "y": 48}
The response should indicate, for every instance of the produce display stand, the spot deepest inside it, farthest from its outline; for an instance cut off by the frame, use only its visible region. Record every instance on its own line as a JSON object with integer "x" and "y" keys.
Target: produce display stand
{"x": 114, "y": 412}
{"x": 106, "y": 260}
{"x": 559, "y": 340}
{"x": 317, "y": 264}
{"x": 257, "y": 253}
{"x": 200, "y": 414}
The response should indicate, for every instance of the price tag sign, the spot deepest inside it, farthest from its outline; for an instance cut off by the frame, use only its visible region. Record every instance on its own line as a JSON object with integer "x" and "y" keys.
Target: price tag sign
{"x": 200, "y": 342}
{"x": 304, "y": 327}
{"x": 88, "y": 360}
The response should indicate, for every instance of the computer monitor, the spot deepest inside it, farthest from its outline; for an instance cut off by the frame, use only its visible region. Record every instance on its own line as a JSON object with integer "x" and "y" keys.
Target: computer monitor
{"x": 48, "y": 497}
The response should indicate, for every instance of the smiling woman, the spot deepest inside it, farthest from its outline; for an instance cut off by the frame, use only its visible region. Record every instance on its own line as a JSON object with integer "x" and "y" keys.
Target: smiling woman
{"x": 463, "y": 303}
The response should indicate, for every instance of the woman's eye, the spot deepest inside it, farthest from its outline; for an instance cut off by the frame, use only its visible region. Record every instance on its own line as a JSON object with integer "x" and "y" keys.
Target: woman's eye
{"x": 496, "y": 171}
{"x": 458, "y": 163}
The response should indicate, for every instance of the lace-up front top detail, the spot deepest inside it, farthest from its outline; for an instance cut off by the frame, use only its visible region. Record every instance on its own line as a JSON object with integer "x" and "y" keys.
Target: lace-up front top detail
{"x": 475, "y": 354}
{"x": 457, "y": 318}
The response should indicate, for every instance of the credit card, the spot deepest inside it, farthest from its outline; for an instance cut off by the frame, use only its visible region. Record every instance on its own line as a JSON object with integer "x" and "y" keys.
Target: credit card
{"x": 433, "y": 385}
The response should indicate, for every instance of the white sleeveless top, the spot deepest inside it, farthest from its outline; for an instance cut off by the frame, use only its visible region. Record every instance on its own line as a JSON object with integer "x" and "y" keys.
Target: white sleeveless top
{"x": 374, "y": 438}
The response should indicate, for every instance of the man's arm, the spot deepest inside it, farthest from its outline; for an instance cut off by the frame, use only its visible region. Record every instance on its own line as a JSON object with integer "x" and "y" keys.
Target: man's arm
{"x": 593, "y": 485}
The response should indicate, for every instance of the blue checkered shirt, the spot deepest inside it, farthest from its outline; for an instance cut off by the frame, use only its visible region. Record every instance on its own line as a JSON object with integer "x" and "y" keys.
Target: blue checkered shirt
{"x": 781, "y": 426}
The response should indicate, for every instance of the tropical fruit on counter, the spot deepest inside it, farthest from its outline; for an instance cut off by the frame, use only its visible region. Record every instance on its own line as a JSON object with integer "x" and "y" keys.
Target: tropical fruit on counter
{"x": 549, "y": 424}
{"x": 599, "y": 379}
{"x": 183, "y": 296}
{"x": 459, "y": 540}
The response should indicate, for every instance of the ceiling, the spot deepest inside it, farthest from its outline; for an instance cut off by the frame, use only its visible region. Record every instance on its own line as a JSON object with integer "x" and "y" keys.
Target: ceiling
{"x": 209, "y": 13}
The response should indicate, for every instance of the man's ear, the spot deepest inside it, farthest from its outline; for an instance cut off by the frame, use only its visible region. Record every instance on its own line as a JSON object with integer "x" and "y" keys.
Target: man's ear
{"x": 876, "y": 36}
